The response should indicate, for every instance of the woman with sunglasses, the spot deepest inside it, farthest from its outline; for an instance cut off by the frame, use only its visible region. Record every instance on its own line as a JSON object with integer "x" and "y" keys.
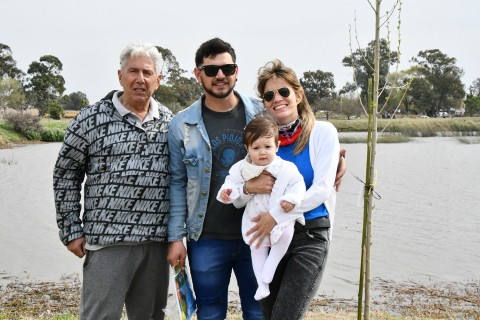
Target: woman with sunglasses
{"x": 314, "y": 147}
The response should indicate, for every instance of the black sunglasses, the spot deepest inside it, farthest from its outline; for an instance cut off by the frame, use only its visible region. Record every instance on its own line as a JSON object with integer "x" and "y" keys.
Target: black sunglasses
{"x": 269, "y": 95}
{"x": 212, "y": 70}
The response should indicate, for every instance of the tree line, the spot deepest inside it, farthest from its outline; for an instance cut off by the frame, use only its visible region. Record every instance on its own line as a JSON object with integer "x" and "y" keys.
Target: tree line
{"x": 433, "y": 82}
{"x": 431, "y": 85}
{"x": 43, "y": 85}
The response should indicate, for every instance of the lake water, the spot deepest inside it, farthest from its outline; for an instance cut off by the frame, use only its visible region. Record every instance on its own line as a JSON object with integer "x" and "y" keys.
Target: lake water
{"x": 425, "y": 227}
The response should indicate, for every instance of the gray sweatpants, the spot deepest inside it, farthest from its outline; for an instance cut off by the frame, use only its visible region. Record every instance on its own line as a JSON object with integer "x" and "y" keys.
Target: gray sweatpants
{"x": 134, "y": 275}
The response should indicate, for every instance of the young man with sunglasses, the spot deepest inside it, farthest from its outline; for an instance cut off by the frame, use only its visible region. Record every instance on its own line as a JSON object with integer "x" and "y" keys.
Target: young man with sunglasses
{"x": 205, "y": 140}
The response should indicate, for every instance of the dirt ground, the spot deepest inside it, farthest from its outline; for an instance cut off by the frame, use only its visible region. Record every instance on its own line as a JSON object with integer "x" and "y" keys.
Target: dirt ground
{"x": 407, "y": 299}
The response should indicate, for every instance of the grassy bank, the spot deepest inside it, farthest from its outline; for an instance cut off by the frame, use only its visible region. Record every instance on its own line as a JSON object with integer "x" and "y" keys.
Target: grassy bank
{"x": 53, "y": 130}
{"x": 404, "y": 128}
{"x": 415, "y": 127}
{"x": 399, "y": 301}
{"x": 8, "y": 135}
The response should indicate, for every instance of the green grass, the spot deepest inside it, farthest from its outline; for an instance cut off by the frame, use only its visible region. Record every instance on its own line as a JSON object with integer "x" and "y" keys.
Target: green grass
{"x": 414, "y": 127}
{"x": 8, "y": 135}
{"x": 54, "y": 131}
{"x": 5, "y": 316}
{"x": 384, "y": 138}
{"x": 55, "y": 124}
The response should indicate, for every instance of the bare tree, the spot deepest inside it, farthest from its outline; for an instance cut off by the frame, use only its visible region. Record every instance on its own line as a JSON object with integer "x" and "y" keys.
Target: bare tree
{"x": 372, "y": 107}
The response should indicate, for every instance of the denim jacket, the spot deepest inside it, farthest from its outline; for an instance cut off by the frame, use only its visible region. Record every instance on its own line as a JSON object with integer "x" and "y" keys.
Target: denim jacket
{"x": 191, "y": 166}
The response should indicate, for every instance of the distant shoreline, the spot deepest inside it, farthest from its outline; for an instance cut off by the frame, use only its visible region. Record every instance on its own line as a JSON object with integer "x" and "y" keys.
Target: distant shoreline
{"x": 393, "y": 130}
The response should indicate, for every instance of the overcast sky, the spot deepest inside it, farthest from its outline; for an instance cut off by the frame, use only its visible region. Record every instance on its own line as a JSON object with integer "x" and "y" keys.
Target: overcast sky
{"x": 88, "y": 35}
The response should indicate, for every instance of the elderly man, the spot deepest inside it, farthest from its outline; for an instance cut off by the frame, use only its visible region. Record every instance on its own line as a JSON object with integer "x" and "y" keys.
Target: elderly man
{"x": 120, "y": 145}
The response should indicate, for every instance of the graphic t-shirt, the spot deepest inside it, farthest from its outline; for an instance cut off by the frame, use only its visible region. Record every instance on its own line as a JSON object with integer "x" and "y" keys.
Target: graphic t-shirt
{"x": 225, "y": 130}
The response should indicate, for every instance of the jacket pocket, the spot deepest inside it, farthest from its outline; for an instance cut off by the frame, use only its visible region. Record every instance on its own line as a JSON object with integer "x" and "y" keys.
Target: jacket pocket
{"x": 193, "y": 178}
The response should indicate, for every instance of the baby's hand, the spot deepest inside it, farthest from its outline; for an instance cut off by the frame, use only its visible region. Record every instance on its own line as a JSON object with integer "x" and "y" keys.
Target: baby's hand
{"x": 286, "y": 206}
{"x": 225, "y": 195}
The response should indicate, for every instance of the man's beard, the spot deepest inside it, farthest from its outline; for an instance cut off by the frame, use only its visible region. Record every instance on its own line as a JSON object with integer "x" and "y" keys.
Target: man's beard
{"x": 218, "y": 95}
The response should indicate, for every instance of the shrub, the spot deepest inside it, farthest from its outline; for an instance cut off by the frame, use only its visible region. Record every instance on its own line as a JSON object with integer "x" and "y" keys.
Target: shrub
{"x": 52, "y": 135}
{"x": 55, "y": 109}
{"x": 23, "y": 123}
{"x": 32, "y": 135}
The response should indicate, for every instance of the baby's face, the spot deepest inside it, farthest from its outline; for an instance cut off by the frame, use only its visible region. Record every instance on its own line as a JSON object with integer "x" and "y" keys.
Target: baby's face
{"x": 263, "y": 150}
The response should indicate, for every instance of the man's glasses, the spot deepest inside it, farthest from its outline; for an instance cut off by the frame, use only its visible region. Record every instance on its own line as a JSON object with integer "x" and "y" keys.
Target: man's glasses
{"x": 212, "y": 70}
{"x": 269, "y": 95}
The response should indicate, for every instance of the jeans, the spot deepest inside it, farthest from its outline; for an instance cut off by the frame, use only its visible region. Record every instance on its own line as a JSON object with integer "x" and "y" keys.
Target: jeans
{"x": 211, "y": 263}
{"x": 298, "y": 276}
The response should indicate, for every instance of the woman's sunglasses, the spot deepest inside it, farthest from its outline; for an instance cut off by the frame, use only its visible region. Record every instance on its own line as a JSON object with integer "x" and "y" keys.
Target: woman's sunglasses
{"x": 269, "y": 95}
{"x": 212, "y": 70}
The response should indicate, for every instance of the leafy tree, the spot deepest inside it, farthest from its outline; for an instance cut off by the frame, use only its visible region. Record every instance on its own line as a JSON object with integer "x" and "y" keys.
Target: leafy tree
{"x": 348, "y": 101}
{"x": 472, "y": 102}
{"x": 318, "y": 86}
{"x": 348, "y": 88}
{"x": 350, "y": 107}
{"x": 66, "y": 102}
{"x": 176, "y": 91}
{"x": 8, "y": 66}
{"x": 167, "y": 96}
{"x": 401, "y": 83}
{"x": 178, "y": 94}
{"x": 54, "y": 109}
{"x": 439, "y": 79}
{"x": 472, "y": 105}
{"x": 420, "y": 94}
{"x": 475, "y": 87}
{"x": 74, "y": 101}
{"x": 11, "y": 94}
{"x": 392, "y": 105}
{"x": 362, "y": 63}
{"x": 188, "y": 90}
{"x": 171, "y": 69}
{"x": 45, "y": 82}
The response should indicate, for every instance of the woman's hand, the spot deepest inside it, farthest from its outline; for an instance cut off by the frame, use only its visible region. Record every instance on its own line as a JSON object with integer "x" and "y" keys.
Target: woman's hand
{"x": 263, "y": 227}
{"x": 262, "y": 184}
{"x": 341, "y": 169}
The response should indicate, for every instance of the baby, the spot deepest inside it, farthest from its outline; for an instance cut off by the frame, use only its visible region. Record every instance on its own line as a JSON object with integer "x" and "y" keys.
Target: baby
{"x": 260, "y": 137}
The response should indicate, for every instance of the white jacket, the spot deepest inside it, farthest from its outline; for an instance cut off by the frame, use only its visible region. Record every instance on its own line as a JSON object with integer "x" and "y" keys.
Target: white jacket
{"x": 289, "y": 186}
{"x": 324, "y": 149}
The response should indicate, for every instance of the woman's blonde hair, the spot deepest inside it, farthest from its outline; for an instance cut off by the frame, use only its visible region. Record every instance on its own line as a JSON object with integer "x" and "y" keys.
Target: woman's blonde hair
{"x": 276, "y": 69}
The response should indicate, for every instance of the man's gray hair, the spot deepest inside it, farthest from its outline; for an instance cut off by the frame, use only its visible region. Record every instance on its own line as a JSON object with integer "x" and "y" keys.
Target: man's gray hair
{"x": 145, "y": 49}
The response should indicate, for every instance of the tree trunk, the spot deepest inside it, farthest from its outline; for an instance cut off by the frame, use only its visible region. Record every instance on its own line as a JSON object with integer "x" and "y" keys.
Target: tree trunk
{"x": 365, "y": 281}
